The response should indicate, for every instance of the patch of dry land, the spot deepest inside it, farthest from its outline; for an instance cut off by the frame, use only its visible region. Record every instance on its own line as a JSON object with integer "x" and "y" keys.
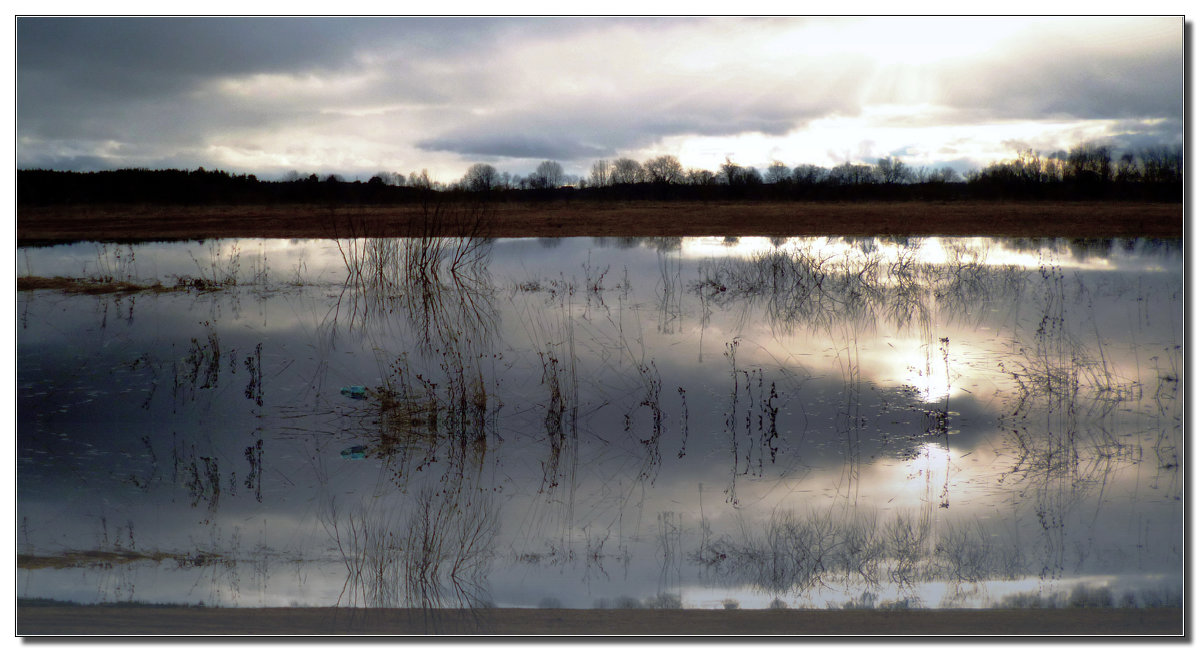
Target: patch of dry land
{"x": 114, "y": 620}
{"x": 49, "y": 225}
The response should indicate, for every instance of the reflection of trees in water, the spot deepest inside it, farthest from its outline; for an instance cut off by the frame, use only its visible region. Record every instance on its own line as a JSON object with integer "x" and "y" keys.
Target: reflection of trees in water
{"x": 1073, "y": 420}
{"x": 814, "y": 289}
{"x": 441, "y": 418}
{"x": 968, "y": 288}
{"x": 433, "y": 552}
{"x": 1084, "y": 248}
{"x": 798, "y": 554}
{"x": 440, "y": 285}
{"x": 845, "y": 294}
{"x": 843, "y": 299}
{"x": 1070, "y": 416}
{"x": 436, "y": 406}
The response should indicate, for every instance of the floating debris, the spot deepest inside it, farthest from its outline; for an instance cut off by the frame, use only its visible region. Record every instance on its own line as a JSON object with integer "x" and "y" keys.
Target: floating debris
{"x": 355, "y": 391}
{"x": 355, "y": 453}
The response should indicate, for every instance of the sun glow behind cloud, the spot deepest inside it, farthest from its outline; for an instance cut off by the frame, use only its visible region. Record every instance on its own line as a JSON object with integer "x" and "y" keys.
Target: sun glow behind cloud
{"x": 913, "y": 40}
{"x": 405, "y": 94}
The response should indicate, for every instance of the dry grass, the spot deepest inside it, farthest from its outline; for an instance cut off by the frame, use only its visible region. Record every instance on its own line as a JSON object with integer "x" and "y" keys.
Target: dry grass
{"x": 90, "y": 286}
{"x": 56, "y": 620}
{"x": 646, "y": 218}
{"x": 107, "y": 558}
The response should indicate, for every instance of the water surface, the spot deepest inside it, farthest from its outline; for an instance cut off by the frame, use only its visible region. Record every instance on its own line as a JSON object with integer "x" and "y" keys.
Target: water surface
{"x": 605, "y": 422}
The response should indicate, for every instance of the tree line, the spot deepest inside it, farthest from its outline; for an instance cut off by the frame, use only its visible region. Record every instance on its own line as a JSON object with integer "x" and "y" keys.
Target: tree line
{"x": 1085, "y": 172}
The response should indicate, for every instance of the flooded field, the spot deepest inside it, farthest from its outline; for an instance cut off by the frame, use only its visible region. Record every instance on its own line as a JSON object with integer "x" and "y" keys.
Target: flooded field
{"x": 604, "y": 423}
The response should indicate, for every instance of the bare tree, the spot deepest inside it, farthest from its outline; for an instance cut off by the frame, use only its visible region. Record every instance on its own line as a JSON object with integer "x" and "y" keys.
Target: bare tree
{"x": 944, "y": 174}
{"x": 698, "y": 177}
{"x": 387, "y": 178}
{"x": 1029, "y": 166}
{"x": 1162, "y": 164}
{"x": 664, "y": 169}
{"x": 420, "y": 180}
{"x": 627, "y": 170}
{"x": 480, "y": 177}
{"x": 851, "y": 174}
{"x": 808, "y": 175}
{"x": 549, "y": 174}
{"x": 1091, "y": 163}
{"x": 892, "y": 170}
{"x": 1127, "y": 169}
{"x": 777, "y": 172}
{"x": 736, "y": 175}
{"x": 601, "y": 174}
{"x": 730, "y": 171}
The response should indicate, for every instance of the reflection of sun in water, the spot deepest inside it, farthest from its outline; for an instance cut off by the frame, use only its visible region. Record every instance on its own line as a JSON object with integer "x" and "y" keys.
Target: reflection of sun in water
{"x": 929, "y": 375}
{"x": 921, "y": 367}
{"x": 931, "y": 250}
{"x": 928, "y": 474}
{"x": 919, "y": 478}
{"x": 930, "y": 455}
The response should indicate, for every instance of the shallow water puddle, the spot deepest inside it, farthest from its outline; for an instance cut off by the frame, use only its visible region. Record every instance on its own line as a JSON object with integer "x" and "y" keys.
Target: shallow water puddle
{"x": 604, "y": 422}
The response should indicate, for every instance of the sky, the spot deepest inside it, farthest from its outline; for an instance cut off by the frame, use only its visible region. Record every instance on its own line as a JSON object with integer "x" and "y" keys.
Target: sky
{"x": 357, "y": 96}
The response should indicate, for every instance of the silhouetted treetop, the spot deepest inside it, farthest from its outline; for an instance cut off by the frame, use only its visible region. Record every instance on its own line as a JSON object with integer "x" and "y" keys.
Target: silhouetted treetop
{"x": 1086, "y": 171}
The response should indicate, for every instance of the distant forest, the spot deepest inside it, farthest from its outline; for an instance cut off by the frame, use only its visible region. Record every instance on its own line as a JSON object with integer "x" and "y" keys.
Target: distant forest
{"x": 1086, "y": 172}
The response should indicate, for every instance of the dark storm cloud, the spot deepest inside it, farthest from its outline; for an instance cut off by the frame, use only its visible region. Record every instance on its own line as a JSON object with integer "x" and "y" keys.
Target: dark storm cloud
{"x": 129, "y": 55}
{"x": 84, "y": 81}
{"x": 229, "y": 46}
{"x": 518, "y": 145}
{"x": 1054, "y": 79}
{"x": 139, "y": 79}
{"x": 569, "y": 129}
{"x": 1133, "y": 136}
{"x": 394, "y": 90}
{"x": 90, "y": 63}
{"x": 577, "y": 135}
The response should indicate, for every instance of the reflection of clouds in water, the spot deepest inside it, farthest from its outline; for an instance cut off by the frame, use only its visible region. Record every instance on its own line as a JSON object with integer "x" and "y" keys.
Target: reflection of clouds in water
{"x": 319, "y": 261}
{"x": 839, "y": 402}
{"x": 1096, "y": 254}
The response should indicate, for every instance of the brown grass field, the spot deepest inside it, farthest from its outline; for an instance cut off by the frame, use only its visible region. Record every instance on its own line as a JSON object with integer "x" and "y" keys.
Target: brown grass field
{"x": 49, "y": 225}
{"x": 109, "y": 620}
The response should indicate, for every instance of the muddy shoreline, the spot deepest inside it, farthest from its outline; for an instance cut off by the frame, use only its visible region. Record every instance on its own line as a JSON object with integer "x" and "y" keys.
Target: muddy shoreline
{"x": 111, "y": 620}
{"x": 55, "y": 225}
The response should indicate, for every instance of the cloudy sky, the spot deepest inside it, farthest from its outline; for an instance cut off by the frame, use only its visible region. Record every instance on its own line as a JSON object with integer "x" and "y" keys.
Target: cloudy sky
{"x": 355, "y": 96}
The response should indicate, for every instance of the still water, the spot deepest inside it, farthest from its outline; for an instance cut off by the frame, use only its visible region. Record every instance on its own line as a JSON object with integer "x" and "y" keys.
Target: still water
{"x": 589, "y": 422}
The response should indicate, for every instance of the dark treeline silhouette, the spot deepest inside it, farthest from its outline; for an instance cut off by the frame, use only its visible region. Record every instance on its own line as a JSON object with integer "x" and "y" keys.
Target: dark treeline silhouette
{"x": 200, "y": 186}
{"x": 1086, "y": 172}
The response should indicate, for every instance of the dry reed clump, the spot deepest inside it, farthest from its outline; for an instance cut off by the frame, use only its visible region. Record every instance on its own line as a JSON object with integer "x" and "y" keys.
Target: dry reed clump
{"x": 432, "y": 553}
{"x": 413, "y": 423}
{"x": 815, "y": 289}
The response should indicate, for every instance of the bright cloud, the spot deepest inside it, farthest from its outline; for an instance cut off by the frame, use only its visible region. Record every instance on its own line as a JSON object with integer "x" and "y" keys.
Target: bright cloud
{"x": 356, "y": 96}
